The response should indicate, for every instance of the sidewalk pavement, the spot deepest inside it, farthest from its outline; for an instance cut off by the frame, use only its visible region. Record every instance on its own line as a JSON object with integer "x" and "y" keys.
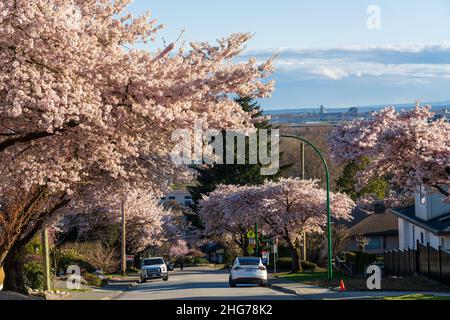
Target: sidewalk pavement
{"x": 312, "y": 292}
{"x": 112, "y": 290}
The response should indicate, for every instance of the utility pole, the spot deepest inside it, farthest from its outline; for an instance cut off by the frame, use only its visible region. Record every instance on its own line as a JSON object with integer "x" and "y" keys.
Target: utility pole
{"x": 45, "y": 259}
{"x": 256, "y": 240}
{"x": 124, "y": 238}
{"x": 303, "y": 176}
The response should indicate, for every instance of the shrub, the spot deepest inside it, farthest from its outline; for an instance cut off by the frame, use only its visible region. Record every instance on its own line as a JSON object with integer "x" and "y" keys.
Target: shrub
{"x": 93, "y": 280}
{"x": 88, "y": 256}
{"x": 360, "y": 260}
{"x": 201, "y": 261}
{"x": 33, "y": 275}
{"x": 350, "y": 257}
{"x": 286, "y": 264}
{"x": 71, "y": 257}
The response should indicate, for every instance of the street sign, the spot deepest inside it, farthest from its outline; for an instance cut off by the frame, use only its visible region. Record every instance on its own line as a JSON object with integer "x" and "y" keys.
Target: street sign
{"x": 275, "y": 248}
{"x": 251, "y": 234}
{"x": 265, "y": 257}
{"x": 250, "y": 250}
{"x": 251, "y": 241}
{"x": 130, "y": 258}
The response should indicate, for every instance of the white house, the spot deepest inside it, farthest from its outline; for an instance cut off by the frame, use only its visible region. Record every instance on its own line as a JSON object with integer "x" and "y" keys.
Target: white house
{"x": 181, "y": 197}
{"x": 427, "y": 221}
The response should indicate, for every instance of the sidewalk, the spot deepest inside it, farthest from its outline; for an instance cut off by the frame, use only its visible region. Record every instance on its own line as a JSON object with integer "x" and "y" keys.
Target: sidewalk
{"x": 311, "y": 292}
{"x": 114, "y": 288}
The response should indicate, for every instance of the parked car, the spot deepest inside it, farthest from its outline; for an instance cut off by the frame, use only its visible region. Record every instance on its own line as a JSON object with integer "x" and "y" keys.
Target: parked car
{"x": 154, "y": 268}
{"x": 248, "y": 270}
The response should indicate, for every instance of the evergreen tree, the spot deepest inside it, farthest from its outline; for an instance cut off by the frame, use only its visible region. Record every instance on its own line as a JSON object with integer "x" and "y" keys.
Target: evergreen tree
{"x": 348, "y": 180}
{"x": 247, "y": 174}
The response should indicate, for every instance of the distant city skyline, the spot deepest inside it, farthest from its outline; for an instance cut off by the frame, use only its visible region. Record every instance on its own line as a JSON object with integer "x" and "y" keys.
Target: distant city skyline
{"x": 326, "y": 53}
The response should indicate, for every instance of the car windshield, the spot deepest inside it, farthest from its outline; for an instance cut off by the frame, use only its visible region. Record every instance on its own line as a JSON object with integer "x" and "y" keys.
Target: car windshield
{"x": 249, "y": 261}
{"x": 151, "y": 262}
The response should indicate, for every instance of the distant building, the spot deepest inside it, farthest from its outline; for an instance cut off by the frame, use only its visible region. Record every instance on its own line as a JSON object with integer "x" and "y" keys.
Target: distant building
{"x": 322, "y": 109}
{"x": 182, "y": 198}
{"x": 353, "y": 111}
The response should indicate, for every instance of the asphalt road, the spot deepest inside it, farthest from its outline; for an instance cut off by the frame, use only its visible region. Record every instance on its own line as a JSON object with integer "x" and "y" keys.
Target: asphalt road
{"x": 202, "y": 284}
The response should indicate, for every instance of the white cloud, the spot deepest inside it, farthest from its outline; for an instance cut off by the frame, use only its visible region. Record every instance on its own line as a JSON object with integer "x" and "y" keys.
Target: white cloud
{"x": 407, "y": 62}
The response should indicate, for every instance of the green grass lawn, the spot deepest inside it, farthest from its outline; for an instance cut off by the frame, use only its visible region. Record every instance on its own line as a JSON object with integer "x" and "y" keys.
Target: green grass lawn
{"x": 308, "y": 276}
{"x": 318, "y": 277}
{"x": 417, "y": 297}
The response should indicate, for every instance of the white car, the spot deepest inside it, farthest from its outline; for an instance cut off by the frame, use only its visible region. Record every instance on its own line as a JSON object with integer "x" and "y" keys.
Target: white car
{"x": 154, "y": 268}
{"x": 248, "y": 270}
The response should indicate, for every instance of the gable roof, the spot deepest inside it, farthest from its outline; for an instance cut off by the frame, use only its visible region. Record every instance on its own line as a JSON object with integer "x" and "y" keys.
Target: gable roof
{"x": 357, "y": 214}
{"x": 377, "y": 224}
{"x": 438, "y": 226}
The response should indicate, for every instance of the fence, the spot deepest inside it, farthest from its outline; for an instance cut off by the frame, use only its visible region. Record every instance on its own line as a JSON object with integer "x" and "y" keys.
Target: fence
{"x": 425, "y": 260}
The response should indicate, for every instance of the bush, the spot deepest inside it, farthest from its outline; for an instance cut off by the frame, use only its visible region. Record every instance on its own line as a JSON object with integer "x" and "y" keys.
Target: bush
{"x": 201, "y": 261}
{"x": 350, "y": 257}
{"x": 71, "y": 257}
{"x": 286, "y": 264}
{"x": 33, "y": 275}
{"x": 93, "y": 280}
{"x": 360, "y": 260}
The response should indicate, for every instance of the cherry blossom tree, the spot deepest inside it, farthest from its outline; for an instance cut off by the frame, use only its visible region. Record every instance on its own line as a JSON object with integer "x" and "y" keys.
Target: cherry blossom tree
{"x": 179, "y": 249}
{"x": 228, "y": 214}
{"x": 293, "y": 206}
{"x": 145, "y": 218}
{"x": 79, "y": 105}
{"x": 286, "y": 208}
{"x": 412, "y": 147}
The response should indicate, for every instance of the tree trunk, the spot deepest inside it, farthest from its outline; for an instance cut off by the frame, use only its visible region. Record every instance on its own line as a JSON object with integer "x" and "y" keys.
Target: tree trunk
{"x": 296, "y": 261}
{"x": 13, "y": 266}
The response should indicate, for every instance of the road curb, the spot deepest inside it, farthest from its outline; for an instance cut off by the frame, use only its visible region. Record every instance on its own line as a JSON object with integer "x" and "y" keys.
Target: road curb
{"x": 284, "y": 289}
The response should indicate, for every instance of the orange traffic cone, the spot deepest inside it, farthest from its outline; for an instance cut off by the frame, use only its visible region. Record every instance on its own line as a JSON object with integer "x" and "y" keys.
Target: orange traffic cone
{"x": 342, "y": 286}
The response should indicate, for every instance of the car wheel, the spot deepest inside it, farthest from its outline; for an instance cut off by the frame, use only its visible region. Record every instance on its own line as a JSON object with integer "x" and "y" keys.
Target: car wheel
{"x": 264, "y": 284}
{"x": 232, "y": 283}
{"x": 143, "y": 280}
{"x": 166, "y": 278}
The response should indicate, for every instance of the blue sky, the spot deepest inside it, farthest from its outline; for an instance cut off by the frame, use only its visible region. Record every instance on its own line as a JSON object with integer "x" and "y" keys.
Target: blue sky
{"x": 327, "y": 55}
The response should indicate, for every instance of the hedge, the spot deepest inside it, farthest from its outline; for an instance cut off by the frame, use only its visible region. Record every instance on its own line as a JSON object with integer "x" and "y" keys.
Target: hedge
{"x": 286, "y": 264}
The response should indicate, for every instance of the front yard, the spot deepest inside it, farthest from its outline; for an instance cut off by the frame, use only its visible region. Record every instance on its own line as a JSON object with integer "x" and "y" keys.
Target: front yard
{"x": 358, "y": 283}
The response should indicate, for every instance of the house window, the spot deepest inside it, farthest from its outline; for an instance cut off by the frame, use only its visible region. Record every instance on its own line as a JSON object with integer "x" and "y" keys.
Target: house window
{"x": 422, "y": 238}
{"x": 187, "y": 203}
{"x": 172, "y": 198}
{"x": 422, "y": 195}
{"x": 375, "y": 243}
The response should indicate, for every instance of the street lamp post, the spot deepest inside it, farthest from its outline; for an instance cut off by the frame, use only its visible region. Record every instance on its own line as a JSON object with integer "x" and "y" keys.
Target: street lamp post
{"x": 327, "y": 177}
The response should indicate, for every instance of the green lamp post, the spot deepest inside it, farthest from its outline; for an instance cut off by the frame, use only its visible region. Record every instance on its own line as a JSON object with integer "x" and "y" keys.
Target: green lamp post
{"x": 327, "y": 175}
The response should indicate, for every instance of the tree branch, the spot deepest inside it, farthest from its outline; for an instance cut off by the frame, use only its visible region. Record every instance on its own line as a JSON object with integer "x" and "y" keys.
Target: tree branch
{"x": 34, "y": 136}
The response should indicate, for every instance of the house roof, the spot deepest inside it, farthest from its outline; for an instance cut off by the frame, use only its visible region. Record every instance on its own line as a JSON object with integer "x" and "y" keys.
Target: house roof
{"x": 376, "y": 224}
{"x": 358, "y": 215}
{"x": 439, "y": 225}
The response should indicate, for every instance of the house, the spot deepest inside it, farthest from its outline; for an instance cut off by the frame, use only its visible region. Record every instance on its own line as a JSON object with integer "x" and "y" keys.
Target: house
{"x": 181, "y": 197}
{"x": 427, "y": 221}
{"x": 380, "y": 228}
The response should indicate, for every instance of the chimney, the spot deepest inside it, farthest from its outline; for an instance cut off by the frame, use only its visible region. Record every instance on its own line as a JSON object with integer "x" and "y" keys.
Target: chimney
{"x": 379, "y": 208}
